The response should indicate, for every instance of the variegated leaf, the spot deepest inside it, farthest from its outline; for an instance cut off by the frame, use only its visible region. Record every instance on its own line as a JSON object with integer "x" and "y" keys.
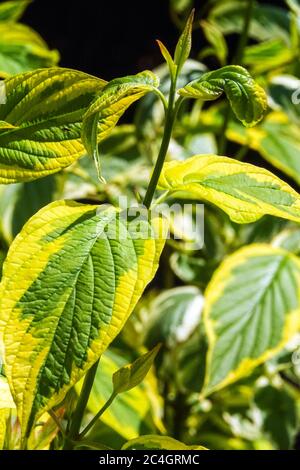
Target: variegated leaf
{"x": 71, "y": 279}
{"x": 244, "y": 191}
{"x": 247, "y": 99}
{"x": 40, "y": 123}
{"x": 22, "y": 50}
{"x": 111, "y": 103}
{"x": 252, "y": 311}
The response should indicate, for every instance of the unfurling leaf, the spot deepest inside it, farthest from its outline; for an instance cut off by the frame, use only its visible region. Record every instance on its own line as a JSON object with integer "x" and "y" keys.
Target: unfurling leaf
{"x": 71, "y": 279}
{"x": 133, "y": 374}
{"x": 252, "y": 311}
{"x": 247, "y": 99}
{"x": 184, "y": 44}
{"x": 110, "y": 104}
{"x": 40, "y": 131}
{"x": 244, "y": 191}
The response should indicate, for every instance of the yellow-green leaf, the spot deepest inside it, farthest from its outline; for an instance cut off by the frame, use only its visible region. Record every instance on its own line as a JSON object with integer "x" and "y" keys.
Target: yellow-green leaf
{"x": 267, "y": 22}
{"x": 252, "y": 311}
{"x": 247, "y": 99}
{"x": 167, "y": 56}
{"x": 276, "y": 139}
{"x": 13, "y": 9}
{"x": 158, "y": 443}
{"x": 133, "y": 374}
{"x": 215, "y": 37}
{"x": 184, "y": 45}
{"x": 136, "y": 409}
{"x": 244, "y": 191}
{"x": 110, "y": 104}
{"x": 6, "y": 404}
{"x": 6, "y": 399}
{"x": 71, "y": 279}
{"x": 22, "y": 50}
{"x": 267, "y": 55}
{"x": 43, "y": 117}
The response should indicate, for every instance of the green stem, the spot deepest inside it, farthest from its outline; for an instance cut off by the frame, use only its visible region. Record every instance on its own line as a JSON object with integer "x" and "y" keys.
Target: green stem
{"x": 76, "y": 418}
{"x": 170, "y": 119}
{"x": 223, "y": 138}
{"x": 236, "y": 61}
{"x": 245, "y": 33}
{"x": 162, "y": 98}
{"x": 97, "y": 416}
{"x": 242, "y": 152}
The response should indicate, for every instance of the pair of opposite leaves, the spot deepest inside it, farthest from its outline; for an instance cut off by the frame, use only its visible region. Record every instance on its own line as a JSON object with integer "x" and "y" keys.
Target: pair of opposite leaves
{"x": 66, "y": 290}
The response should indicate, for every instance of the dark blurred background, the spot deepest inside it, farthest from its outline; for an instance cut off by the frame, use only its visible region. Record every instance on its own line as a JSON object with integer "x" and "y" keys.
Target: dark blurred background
{"x": 104, "y": 37}
{"x": 107, "y": 38}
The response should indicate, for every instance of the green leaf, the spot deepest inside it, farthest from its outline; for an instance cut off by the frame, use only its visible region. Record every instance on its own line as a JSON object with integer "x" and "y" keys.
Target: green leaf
{"x": 18, "y": 202}
{"x": 276, "y": 139}
{"x": 268, "y": 21}
{"x": 280, "y": 416}
{"x": 46, "y": 108}
{"x": 247, "y": 99}
{"x": 136, "y": 409}
{"x": 245, "y": 192}
{"x": 184, "y": 45}
{"x": 110, "y": 104}
{"x": 190, "y": 358}
{"x": 264, "y": 230}
{"x": 252, "y": 310}
{"x": 159, "y": 443}
{"x": 267, "y": 56}
{"x": 189, "y": 269}
{"x": 22, "y": 50}
{"x": 133, "y": 374}
{"x": 173, "y": 316}
{"x": 215, "y": 37}
{"x": 79, "y": 271}
{"x": 13, "y": 10}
